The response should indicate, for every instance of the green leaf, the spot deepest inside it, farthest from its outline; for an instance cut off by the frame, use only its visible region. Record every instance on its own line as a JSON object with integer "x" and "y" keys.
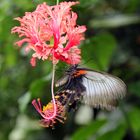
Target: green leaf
{"x": 87, "y": 3}
{"x": 135, "y": 88}
{"x": 134, "y": 118}
{"x": 132, "y": 6}
{"x": 85, "y": 132}
{"x": 38, "y": 86}
{"x": 99, "y": 50}
{"x": 26, "y": 5}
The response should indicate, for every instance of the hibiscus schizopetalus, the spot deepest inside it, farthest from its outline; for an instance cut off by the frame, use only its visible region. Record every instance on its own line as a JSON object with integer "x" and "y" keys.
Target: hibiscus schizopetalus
{"x": 52, "y": 33}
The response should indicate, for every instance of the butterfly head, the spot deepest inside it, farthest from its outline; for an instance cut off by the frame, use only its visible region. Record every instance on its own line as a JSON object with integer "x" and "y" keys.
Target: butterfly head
{"x": 71, "y": 70}
{"x": 71, "y": 74}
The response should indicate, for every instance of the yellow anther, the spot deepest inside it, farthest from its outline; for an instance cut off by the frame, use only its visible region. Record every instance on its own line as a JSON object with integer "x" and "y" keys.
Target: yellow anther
{"x": 56, "y": 97}
{"x": 48, "y": 106}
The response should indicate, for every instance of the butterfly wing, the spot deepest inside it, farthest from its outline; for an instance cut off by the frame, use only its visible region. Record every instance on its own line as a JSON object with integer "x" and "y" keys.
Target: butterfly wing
{"x": 62, "y": 81}
{"x": 102, "y": 89}
{"x": 98, "y": 89}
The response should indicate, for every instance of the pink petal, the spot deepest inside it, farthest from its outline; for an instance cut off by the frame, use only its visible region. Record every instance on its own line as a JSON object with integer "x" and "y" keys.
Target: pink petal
{"x": 33, "y": 61}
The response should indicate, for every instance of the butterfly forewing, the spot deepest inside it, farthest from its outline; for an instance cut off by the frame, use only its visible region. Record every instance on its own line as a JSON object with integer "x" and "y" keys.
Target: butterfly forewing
{"x": 62, "y": 81}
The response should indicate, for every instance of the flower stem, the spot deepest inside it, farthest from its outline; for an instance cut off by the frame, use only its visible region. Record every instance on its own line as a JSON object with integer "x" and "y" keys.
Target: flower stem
{"x": 52, "y": 89}
{"x": 57, "y": 2}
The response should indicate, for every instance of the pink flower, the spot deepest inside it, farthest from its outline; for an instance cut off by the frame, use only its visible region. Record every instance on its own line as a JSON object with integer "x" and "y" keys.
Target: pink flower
{"x": 51, "y": 32}
{"x": 49, "y": 114}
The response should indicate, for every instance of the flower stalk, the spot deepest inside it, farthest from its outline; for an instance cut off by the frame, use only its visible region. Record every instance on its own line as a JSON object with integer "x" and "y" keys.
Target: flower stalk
{"x": 52, "y": 91}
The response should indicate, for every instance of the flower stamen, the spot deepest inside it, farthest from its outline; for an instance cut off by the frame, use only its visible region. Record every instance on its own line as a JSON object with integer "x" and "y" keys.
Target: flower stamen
{"x": 47, "y": 113}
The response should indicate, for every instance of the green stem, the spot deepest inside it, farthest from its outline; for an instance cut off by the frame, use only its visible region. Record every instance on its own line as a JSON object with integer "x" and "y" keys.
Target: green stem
{"x": 57, "y": 2}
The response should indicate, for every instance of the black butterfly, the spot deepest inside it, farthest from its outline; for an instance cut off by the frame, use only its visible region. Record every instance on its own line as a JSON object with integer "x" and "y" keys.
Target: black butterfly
{"x": 98, "y": 89}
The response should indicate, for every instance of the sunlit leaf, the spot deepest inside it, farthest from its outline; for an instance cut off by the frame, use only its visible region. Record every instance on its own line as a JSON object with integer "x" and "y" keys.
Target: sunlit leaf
{"x": 116, "y": 134}
{"x": 23, "y": 126}
{"x": 115, "y": 21}
{"x": 23, "y": 101}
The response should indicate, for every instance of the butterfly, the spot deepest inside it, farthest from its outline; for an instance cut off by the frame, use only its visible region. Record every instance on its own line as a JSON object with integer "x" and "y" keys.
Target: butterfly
{"x": 97, "y": 89}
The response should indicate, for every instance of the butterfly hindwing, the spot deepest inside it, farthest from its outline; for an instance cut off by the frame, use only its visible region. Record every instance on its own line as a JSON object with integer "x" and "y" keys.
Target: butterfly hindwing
{"x": 68, "y": 98}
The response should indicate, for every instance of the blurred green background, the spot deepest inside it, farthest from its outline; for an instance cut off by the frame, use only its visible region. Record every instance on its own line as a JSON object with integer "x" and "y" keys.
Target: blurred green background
{"x": 112, "y": 44}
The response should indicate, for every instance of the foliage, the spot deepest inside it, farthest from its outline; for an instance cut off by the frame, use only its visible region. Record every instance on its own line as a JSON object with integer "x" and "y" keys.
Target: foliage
{"x": 112, "y": 44}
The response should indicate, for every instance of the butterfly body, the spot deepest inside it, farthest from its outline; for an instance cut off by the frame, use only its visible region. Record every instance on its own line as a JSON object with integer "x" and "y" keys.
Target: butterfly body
{"x": 98, "y": 89}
